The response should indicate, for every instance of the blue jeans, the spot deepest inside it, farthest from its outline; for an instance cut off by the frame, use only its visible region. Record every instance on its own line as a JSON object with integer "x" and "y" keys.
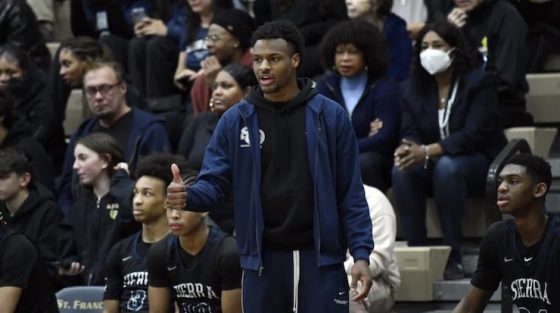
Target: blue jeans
{"x": 449, "y": 179}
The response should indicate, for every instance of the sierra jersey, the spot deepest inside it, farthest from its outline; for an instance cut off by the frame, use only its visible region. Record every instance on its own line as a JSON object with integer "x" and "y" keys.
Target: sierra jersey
{"x": 127, "y": 274}
{"x": 196, "y": 282}
{"x": 531, "y": 275}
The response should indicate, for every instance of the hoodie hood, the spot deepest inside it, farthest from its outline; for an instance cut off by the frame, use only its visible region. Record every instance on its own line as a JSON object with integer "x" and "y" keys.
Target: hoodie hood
{"x": 38, "y": 195}
{"x": 306, "y": 92}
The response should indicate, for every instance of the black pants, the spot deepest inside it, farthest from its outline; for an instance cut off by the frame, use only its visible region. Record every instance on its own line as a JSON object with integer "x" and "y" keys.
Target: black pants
{"x": 151, "y": 65}
{"x": 376, "y": 170}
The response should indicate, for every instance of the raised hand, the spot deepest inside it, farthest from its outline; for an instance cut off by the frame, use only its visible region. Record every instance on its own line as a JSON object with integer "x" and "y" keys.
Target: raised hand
{"x": 176, "y": 192}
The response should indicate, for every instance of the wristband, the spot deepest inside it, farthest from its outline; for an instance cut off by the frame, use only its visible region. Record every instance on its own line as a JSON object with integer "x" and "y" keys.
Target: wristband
{"x": 426, "y": 156}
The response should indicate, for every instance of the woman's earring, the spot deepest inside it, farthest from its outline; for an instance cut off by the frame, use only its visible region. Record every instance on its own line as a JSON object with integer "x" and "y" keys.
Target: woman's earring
{"x": 211, "y": 104}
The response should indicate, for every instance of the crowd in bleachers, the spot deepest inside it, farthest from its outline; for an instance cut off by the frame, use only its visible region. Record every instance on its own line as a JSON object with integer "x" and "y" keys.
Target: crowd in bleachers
{"x": 428, "y": 99}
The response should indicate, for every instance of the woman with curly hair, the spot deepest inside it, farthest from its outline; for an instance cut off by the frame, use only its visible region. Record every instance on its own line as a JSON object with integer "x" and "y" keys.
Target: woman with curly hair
{"x": 449, "y": 136}
{"x": 359, "y": 57}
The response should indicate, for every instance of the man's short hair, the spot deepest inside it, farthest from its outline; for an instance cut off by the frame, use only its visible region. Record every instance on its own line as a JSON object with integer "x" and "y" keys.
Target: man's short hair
{"x": 158, "y": 165}
{"x": 537, "y": 168}
{"x": 280, "y": 30}
{"x": 13, "y": 160}
{"x": 114, "y": 66}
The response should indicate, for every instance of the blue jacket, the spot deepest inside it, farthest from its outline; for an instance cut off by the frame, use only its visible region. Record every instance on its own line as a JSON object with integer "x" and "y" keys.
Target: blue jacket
{"x": 380, "y": 100}
{"x": 341, "y": 218}
{"x": 176, "y": 24}
{"x": 147, "y": 136}
{"x": 473, "y": 124}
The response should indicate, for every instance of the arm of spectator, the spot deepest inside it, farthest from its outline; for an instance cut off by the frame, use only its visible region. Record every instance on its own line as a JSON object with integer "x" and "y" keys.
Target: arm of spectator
{"x": 231, "y": 301}
{"x": 75, "y": 269}
{"x": 65, "y": 196}
{"x": 414, "y": 28}
{"x": 474, "y": 301}
{"x": 457, "y": 17}
{"x": 176, "y": 25}
{"x": 210, "y": 68}
{"x": 111, "y": 306}
{"x": 409, "y": 123}
{"x": 385, "y": 103}
{"x": 159, "y": 299}
{"x": 9, "y": 297}
{"x": 150, "y": 27}
{"x": 182, "y": 72}
{"x": 414, "y": 153}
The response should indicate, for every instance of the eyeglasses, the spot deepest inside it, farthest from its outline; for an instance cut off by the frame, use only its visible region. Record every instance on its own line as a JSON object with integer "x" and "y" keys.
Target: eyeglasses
{"x": 212, "y": 38}
{"x": 104, "y": 90}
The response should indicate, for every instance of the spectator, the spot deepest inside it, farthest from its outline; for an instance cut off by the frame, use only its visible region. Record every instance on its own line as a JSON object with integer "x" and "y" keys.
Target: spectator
{"x": 312, "y": 17}
{"x": 378, "y": 12}
{"x": 126, "y": 283}
{"x": 230, "y": 86}
{"x": 136, "y": 131}
{"x": 359, "y": 56}
{"x": 18, "y": 26}
{"x": 29, "y": 90}
{"x": 449, "y": 137}
{"x": 499, "y": 32}
{"x": 522, "y": 253}
{"x": 29, "y": 208}
{"x": 24, "y": 282}
{"x": 382, "y": 260}
{"x": 228, "y": 41}
{"x": 193, "y": 45}
{"x": 153, "y": 52}
{"x": 290, "y": 215}
{"x": 16, "y": 132}
{"x": 102, "y": 214}
{"x": 198, "y": 266}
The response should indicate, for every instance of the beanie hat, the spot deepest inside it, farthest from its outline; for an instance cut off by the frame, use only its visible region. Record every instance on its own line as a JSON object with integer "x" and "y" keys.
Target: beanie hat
{"x": 238, "y": 23}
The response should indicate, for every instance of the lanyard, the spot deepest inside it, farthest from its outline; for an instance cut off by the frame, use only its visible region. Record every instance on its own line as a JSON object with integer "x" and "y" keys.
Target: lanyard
{"x": 443, "y": 119}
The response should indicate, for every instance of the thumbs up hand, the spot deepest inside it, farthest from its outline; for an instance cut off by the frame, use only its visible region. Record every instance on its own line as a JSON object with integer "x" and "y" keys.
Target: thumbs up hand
{"x": 176, "y": 192}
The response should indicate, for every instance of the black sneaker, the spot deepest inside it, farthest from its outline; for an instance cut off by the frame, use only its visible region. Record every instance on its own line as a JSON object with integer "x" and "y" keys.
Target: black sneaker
{"x": 453, "y": 271}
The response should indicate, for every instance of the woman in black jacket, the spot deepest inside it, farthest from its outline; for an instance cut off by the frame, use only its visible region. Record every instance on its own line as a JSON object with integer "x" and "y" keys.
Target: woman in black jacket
{"x": 28, "y": 87}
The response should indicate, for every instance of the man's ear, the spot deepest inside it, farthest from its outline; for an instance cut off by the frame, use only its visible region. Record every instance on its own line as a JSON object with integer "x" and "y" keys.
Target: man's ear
{"x": 24, "y": 180}
{"x": 540, "y": 190}
{"x": 296, "y": 60}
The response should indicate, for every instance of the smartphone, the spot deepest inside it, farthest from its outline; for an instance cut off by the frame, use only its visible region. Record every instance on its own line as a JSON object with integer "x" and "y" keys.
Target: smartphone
{"x": 62, "y": 264}
{"x": 137, "y": 15}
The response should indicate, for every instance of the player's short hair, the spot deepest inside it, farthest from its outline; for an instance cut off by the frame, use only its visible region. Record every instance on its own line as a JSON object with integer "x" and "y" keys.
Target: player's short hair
{"x": 158, "y": 165}
{"x": 13, "y": 160}
{"x": 280, "y": 29}
{"x": 537, "y": 168}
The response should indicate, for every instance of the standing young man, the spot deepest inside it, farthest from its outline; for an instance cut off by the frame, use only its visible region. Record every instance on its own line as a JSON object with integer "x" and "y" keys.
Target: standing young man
{"x": 198, "y": 267}
{"x": 524, "y": 252}
{"x": 126, "y": 283}
{"x": 290, "y": 158}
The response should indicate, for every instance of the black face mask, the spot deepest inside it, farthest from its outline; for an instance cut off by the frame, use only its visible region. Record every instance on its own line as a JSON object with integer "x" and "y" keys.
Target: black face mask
{"x": 18, "y": 87}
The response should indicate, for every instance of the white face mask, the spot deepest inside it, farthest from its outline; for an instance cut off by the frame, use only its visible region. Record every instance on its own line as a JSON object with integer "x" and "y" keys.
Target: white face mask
{"x": 435, "y": 61}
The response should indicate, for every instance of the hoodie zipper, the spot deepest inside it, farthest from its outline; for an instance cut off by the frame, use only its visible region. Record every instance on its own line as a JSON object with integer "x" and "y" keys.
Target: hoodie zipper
{"x": 316, "y": 206}
{"x": 261, "y": 267}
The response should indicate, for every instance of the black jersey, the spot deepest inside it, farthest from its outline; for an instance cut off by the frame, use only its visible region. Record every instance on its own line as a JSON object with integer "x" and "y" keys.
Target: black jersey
{"x": 196, "y": 282}
{"x": 21, "y": 267}
{"x": 531, "y": 275}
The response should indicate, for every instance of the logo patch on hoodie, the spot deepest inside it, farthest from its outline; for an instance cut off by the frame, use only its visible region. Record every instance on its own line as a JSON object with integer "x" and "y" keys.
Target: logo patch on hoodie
{"x": 244, "y": 136}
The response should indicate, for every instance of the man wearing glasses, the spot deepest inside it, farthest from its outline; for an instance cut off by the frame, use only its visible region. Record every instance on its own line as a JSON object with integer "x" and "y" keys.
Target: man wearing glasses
{"x": 137, "y": 132}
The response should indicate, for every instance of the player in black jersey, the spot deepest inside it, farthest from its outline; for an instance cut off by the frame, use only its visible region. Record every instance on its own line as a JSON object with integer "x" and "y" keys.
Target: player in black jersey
{"x": 198, "y": 267}
{"x": 524, "y": 252}
{"x": 127, "y": 271}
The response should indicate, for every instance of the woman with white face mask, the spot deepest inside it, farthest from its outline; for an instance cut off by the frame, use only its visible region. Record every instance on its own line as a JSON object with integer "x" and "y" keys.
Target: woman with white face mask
{"x": 449, "y": 135}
